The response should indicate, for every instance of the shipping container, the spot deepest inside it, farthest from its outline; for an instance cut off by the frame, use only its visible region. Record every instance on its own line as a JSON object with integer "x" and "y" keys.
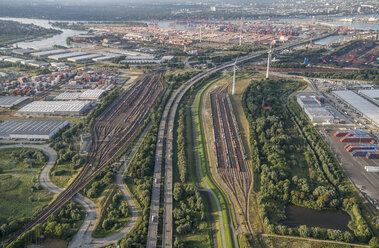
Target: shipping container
{"x": 353, "y": 147}
{"x": 361, "y": 153}
{"x": 372, "y": 155}
{"x": 364, "y": 139}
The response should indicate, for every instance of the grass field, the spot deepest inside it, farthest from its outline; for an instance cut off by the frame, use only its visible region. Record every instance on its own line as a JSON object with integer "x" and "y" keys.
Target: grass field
{"x": 62, "y": 174}
{"x": 18, "y": 198}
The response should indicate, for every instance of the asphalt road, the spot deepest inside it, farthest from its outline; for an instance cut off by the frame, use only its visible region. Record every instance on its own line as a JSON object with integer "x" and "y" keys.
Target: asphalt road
{"x": 83, "y": 238}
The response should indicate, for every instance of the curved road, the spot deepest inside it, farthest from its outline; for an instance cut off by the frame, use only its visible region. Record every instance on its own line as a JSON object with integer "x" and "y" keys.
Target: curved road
{"x": 83, "y": 238}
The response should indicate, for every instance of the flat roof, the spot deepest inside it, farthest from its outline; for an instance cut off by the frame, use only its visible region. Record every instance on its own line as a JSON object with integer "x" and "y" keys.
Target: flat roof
{"x": 84, "y": 57}
{"x": 370, "y": 93}
{"x": 87, "y": 94}
{"x": 67, "y": 55}
{"x": 54, "y": 106}
{"x": 368, "y": 109}
{"x": 30, "y": 127}
{"x": 9, "y": 101}
{"x": 50, "y": 52}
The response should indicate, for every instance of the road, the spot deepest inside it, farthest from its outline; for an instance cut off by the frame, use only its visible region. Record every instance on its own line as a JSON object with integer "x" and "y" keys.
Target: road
{"x": 83, "y": 238}
{"x": 165, "y": 145}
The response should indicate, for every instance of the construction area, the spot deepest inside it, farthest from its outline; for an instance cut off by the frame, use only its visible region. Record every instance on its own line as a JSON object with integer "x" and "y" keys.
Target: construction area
{"x": 358, "y": 154}
{"x": 358, "y": 53}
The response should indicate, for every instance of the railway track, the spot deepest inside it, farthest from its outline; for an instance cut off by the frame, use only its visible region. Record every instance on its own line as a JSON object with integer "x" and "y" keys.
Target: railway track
{"x": 112, "y": 132}
{"x": 232, "y": 164}
{"x": 164, "y": 144}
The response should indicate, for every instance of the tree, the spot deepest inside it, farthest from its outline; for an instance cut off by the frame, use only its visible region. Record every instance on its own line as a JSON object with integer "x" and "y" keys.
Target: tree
{"x": 374, "y": 242}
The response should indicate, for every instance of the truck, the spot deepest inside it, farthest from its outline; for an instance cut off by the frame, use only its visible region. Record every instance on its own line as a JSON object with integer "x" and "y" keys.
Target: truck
{"x": 372, "y": 168}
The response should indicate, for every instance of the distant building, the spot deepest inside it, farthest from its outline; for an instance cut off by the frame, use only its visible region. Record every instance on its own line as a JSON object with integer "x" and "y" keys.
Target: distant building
{"x": 33, "y": 129}
{"x": 55, "y": 108}
{"x": 312, "y": 106}
{"x": 7, "y": 102}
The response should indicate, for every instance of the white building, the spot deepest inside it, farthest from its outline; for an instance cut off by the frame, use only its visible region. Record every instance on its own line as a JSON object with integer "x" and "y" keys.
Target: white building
{"x": 55, "y": 108}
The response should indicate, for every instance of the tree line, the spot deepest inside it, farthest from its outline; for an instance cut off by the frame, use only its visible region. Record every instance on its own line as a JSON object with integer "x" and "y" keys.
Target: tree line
{"x": 278, "y": 139}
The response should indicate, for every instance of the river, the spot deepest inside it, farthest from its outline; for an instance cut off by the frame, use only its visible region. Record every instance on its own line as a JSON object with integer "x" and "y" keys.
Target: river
{"x": 59, "y": 39}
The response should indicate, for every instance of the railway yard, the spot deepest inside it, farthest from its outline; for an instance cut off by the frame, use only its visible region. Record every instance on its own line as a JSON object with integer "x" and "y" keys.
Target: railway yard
{"x": 112, "y": 132}
{"x": 232, "y": 165}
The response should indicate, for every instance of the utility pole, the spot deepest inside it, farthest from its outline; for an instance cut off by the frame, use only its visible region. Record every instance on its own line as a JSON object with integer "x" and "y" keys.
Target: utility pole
{"x": 269, "y": 61}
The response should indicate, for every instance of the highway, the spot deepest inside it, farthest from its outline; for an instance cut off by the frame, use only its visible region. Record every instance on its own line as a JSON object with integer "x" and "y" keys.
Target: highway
{"x": 164, "y": 145}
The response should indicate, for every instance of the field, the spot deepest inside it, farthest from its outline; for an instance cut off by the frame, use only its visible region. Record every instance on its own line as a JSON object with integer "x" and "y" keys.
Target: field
{"x": 20, "y": 192}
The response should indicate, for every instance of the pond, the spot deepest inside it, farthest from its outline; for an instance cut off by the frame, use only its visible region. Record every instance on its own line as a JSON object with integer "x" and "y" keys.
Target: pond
{"x": 332, "y": 219}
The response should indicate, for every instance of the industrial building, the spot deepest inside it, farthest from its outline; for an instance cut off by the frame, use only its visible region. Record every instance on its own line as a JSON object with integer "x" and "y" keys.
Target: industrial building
{"x": 55, "y": 108}
{"x": 66, "y": 55}
{"x": 84, "y": 57}
{"x": 90, "y": 95}
{"x": 7, "y": 102}
{"x": 312, "y": 106}
{"x": 363, "y": 106}
{"x": 372, "y": 95}
{"x": 33, "y": 129}
{"x": 48, "y": 53}
{"x": 23, "y": 51}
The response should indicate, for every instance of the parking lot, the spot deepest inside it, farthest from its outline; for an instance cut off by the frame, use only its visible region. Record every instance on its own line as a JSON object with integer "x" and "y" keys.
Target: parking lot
{"x": 367, "y": 182}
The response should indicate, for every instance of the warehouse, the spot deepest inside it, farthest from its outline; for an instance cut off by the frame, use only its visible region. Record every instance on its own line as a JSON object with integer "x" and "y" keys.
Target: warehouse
{"x": 319, "y": 114}
{"x": 55, "y": 108}
{"x": 372, "y": 95}
{"x": 22, "y": 51}
{"x": 312, "y": 106}
{"x": 66, "y": 55}
{"x": 34, "y": 129}
{"x": 308, "y": 101}
{"x": 45, "y": 54}
{"x": 7, "y": 102}
{"x": 90, "y": 95}
{"x": 366, "y": 108}
{"x": 84, "y": 57}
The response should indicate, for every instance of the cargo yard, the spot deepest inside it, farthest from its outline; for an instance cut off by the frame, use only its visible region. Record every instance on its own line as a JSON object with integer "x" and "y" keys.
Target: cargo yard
{"x": 232, "y": 164}
{"x": 358, "y": 153}
{"x": 111, "y": 134}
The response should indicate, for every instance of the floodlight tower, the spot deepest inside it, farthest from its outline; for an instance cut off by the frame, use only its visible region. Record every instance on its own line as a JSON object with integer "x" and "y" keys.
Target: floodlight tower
{"x": 234, "y": 77}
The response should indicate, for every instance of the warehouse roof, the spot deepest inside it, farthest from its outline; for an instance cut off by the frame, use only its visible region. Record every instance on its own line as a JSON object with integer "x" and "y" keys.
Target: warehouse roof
{"x": 54, "y": 106}
{"x": 33, "y": 127}
{"x": 370, "y": 93}
{"x": 368, "y": 109}
{"x": 67, "y": 55}
{"x": 9, "y": 101}
{"x": 87, "y": 94}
